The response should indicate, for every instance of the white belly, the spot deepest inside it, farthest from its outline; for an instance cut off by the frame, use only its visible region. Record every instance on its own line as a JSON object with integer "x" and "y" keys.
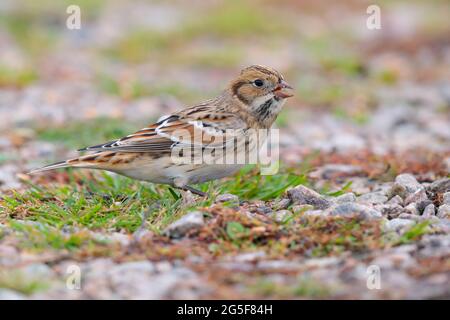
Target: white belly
{"x": 163, "y": 171}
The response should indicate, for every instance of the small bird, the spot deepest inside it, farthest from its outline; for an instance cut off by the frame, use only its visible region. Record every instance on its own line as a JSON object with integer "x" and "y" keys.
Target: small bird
{"x": 252, "y": 101}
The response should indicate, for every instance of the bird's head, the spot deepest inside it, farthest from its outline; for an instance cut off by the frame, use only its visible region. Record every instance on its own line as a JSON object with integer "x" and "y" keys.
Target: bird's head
{"x": 262, "y": 89}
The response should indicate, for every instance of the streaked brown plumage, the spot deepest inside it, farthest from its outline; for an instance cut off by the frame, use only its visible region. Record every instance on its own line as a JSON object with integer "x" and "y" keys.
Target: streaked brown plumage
{"x": 252, "y": 101}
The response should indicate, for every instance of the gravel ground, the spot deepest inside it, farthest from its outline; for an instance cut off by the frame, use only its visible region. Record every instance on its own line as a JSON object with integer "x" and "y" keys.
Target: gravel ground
{"x": 375, "y": 143}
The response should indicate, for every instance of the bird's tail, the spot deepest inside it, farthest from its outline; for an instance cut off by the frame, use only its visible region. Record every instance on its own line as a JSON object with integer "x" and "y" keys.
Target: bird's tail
{"x": 80, "y": 162}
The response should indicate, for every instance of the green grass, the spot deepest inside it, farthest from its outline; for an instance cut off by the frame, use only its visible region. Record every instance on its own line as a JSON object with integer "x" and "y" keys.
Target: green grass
{"x": 42, "y": 236}
{"x": 117, "y": 203}
{"x": 249, "y": 184}
{"x": 414, "y": 233}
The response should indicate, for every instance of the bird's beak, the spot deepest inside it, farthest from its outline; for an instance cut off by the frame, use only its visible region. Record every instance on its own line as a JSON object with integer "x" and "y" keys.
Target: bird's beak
{"x": 280, "y": 90}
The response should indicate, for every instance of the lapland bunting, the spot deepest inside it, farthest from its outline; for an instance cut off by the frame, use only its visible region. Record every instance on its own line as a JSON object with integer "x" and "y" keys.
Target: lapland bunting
{"x": 252, "y": 101}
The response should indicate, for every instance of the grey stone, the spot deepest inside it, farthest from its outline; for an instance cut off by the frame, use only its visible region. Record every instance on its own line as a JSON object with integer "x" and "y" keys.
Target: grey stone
{"x": 189, "y": 222}
{"x": 302, "y": 208}
{"x": 409, "y": 182}
{"x": 435, "y": 245}
{"x": 444, "y": 211}
{"x": 442, "y": 226}
{"x": 360, "y": 185}
{"x": 423, "y": 204}
{"x": 350, "y": 209}
{"x": 409, "y": 216}
{"x": 389, "y": 210}
{"x": 417, "y": 196}
{"x": 429, "y": 211}
{"x": 228, "y": 197}
{"x": 304, "y": 195}
{"x": 446, "y": 198}
{"x": 383, "y": 188}
{"x": 372, "y": 198}
{"x": 281, "y": 215}
{"x": 347, "y": 197}
{"x": 263, "y": 209}
{"x": 398, "y": 224}
{"x": 412, "y": 209}
{"x": 417, "y": 218}
{"x": 281, "y": 204}
{"x": 396, "y": 200}
{"x": 397, "y": 190}
{"x": 440, "y": 186}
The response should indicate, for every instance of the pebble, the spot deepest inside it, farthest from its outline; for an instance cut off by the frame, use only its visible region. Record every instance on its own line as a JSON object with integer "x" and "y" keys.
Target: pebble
{"x": 396, "y": 200}
{"x": 281, "y": 204}
{"x": 389, "y": 210}
{"x": 263, "y": 209}
{"x": 281, "y": 215}
{"x": 409, "y": 182}
{"x": 191, "y": 221}
{"x": 354, "y": 209}
{"x": 417, "y": 196}
{"x": 397, "y": 190}
{"x": 346, "y": 197}
{"x": 444, "y": 211}
{"x": 227, "y": 197}
{"x": 429, "y": 211}
{"x": 373, "y": 198}
{"x": 417, "y": 218}
{"x": 446, "y": 198}
{"x": 440, "y": 186}
{"x": 304, "y": 195}
{"x": 412, "y": 209}
{"x": 423, "y": 204}
{"x": 398, "y": 224}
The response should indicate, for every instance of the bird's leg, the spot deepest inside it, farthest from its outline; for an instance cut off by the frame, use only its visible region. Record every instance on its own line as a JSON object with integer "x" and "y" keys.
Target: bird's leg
{"x": 194, "y": 191}
{"x": 181, "y": 183}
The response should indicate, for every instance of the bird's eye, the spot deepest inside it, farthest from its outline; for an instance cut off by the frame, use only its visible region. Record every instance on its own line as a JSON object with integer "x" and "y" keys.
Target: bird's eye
{"x": 258, "y": 83}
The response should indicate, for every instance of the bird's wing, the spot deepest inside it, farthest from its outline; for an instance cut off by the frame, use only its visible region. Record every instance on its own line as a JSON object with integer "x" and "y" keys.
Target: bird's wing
{"x": 199, "y": 126}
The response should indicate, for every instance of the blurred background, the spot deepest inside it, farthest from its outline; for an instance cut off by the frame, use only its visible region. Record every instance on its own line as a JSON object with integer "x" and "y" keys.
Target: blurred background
{"x": 368, "y": 105}
{"x": 383, "y": 92}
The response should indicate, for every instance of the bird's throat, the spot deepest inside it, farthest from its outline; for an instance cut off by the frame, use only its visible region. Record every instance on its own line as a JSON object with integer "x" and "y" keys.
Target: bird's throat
{"x": 267, "y": 111}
